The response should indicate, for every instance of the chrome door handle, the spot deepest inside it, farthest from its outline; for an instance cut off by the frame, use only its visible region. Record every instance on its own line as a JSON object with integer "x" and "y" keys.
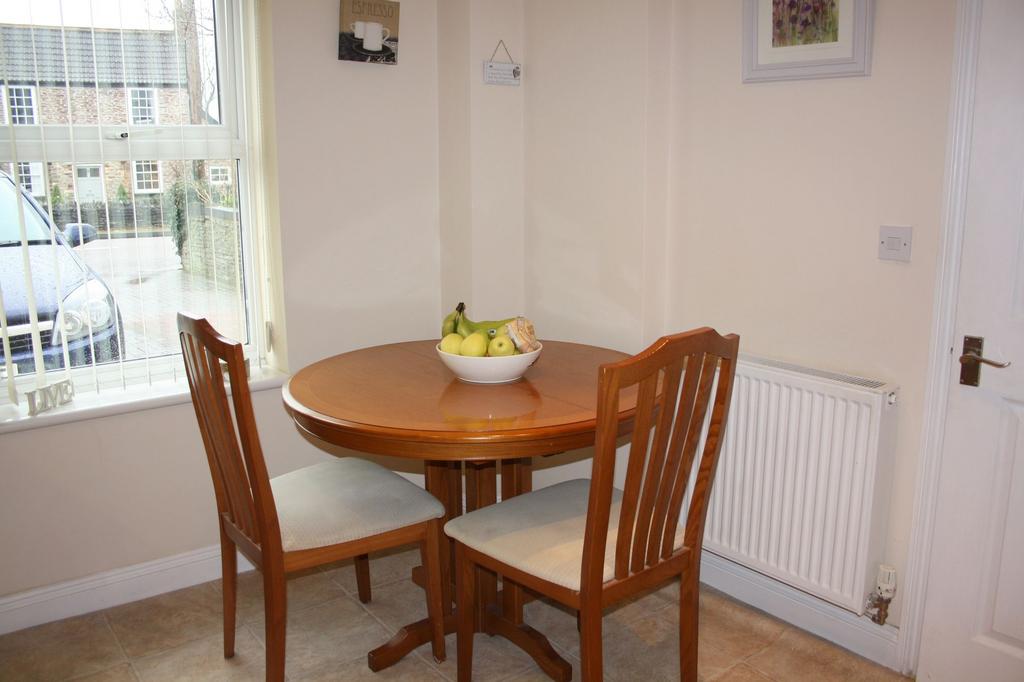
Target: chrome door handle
{"x": 970, "y": 357}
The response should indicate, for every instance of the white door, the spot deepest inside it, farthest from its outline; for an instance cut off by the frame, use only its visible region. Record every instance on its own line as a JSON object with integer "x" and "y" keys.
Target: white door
{"x": 89, "y": 184}
{"x": 974, "y": 611}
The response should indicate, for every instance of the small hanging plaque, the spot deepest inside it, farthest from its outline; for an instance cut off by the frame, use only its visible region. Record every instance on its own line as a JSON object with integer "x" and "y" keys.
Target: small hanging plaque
{"x": 502, "y": 73}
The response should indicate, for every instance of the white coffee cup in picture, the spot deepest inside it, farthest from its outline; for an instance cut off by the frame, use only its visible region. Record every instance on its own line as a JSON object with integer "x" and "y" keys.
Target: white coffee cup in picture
{"x": 374, "y": 35}
{"x": 359, "y": 29}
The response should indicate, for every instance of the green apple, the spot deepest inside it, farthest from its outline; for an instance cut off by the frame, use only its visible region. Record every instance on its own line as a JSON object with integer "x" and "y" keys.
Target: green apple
{"x": 474, "y": 345}
{"x": 501, "y": 345}
{"x": 451, "y": 343}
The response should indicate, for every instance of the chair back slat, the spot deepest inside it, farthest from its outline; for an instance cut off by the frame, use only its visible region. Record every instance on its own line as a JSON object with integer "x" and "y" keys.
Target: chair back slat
{"x": 635, "y": 471}
{"x": 210, "y": 400}
{"x": 694, "y": 430}
{"x": 683, "y": 413}
{"x": 656, "y": 463}
{"x": 701, "y": 492}
{"x": 679, "y": 378}
{"x": 228, "y": 428}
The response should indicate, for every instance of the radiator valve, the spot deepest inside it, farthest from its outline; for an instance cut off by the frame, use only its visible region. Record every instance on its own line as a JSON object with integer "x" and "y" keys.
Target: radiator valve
{"x": 878, "y": 601}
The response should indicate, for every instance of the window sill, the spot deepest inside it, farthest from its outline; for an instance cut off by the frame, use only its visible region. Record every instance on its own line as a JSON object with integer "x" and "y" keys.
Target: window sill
{"x": 111, "y": 403}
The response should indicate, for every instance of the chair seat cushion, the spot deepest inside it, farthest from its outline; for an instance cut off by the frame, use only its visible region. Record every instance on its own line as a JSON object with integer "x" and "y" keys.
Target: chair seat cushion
{"x": 541, "y": 532}
{"x": 346, "y": 499}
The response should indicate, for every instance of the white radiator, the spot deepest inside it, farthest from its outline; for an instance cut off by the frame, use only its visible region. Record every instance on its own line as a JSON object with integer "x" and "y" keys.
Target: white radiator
{"x": 802, "y": 488}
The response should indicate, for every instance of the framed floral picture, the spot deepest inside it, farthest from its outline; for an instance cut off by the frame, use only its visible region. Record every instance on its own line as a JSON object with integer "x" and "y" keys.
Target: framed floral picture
{"x": 795, "y": 39}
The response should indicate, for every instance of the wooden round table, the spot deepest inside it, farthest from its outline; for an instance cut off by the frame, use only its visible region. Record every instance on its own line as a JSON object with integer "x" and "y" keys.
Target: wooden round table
{"x": 400, "y": 400}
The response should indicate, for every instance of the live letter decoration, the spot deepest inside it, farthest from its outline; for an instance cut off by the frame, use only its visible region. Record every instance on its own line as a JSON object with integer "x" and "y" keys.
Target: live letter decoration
{"x": 368, "y": 31}
{"x": 49, "y": 397}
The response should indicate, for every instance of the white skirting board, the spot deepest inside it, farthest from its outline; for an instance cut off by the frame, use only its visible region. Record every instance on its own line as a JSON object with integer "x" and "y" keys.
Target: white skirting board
{"x": 123, "y": 585}
{"x": 859, "y": 634}
{"x": 111, "y": 588}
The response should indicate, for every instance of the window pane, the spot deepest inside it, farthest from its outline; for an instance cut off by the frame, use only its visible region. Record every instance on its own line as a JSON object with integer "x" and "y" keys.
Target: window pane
{"x": 35, "y": 225}
{"x": 143, "y": 232}
{"x": 141, "y": 258}
{"x": 22, "y": 103}
{"x": 31, "y": 176}
{"x": 220, "y": 175}
{"x": 147, "y": 176}
{"x": 143, "y": 106}
{"x": 92, "y": 74}
{"x": 58, "y": 278}
{"x": 176, "y": 250}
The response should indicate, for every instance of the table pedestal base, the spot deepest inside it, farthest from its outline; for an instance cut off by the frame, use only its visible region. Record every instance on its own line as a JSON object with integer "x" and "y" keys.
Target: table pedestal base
{"x": 407, "y": 639}
{"x": 444, "y": 481}
{"x": 531, "y": 641}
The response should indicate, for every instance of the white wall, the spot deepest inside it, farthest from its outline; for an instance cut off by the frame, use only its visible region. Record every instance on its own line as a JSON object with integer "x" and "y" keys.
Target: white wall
{"x": 496, "y": 148}
{"x": 584, "y": 167}
{"x": 94, "y": 495}
{"x": 657, "y": 193}
{"x": 454, "y": 153}
{"x": 596, "y": 177}
{"x": 100, "y": 494}
{"x": 357, "y": 155}
{"x": 481, "y": 160}
{"x": 774, "y": 193}
{"x": 778, "y": 193}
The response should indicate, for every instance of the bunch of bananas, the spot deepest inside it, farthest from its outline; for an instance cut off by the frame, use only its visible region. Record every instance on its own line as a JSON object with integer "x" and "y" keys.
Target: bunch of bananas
{"x": 462, "y": 336}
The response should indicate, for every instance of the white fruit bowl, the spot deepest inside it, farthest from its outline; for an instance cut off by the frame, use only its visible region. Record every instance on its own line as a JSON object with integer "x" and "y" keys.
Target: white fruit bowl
{"x": 489, "y": 370}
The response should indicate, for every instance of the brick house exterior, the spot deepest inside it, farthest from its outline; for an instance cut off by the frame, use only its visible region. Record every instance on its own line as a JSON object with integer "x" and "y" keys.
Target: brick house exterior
{"x": 135, "y": 79}
{"x": 172, "y": 104}
{"x": 93, "y": 84}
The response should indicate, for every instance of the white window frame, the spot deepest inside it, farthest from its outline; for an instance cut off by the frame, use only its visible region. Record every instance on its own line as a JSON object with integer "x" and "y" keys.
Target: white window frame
{"x": 235, "y": 137}
{"x": 225, "y": 171}
{"x": 31, "y": 178}
{"x": 33, "y": 105}
{"x": 36, "y": 181}
{"x": 154, "y": 100}
{"x": 159, "y": 176}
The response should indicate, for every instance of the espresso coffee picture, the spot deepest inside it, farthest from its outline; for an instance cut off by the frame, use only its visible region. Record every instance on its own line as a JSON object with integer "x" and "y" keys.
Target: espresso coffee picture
{"x": 368, "y": 31}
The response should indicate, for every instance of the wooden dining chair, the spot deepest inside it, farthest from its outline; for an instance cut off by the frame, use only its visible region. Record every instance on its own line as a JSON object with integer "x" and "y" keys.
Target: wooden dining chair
{"x": 316, "y": 515}
{"x": 589, "y": 545}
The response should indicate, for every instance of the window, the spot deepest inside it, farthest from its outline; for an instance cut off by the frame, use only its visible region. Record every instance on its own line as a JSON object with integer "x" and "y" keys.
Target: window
{"x": 147, "y": 177}
{"x": 220, "y": 175}
{"x": 143, "y": 106}
{"x": 153, "y": 223}
{"x": 31, "y": 175}
{"x": 21, "y": 102}
{"x": 32, "y": 178}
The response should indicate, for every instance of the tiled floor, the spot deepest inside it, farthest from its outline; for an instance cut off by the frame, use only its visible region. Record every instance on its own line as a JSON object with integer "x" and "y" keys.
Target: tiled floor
{"x": 177, "y": 636}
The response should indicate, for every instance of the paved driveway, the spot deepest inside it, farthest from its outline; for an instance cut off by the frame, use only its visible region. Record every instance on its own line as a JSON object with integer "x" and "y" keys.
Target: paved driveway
{"x": 150, "y": 287}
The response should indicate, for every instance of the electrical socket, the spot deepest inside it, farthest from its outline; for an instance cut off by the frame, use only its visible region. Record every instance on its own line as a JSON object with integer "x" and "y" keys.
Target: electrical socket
{"x": 886, "y": 581}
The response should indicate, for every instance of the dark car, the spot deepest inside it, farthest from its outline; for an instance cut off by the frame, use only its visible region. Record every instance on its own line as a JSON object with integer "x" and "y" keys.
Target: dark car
{"x": 91, "y": 322}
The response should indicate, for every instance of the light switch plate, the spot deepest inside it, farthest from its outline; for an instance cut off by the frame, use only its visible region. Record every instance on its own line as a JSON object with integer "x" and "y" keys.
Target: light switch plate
{"x": 894, "y": 242}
